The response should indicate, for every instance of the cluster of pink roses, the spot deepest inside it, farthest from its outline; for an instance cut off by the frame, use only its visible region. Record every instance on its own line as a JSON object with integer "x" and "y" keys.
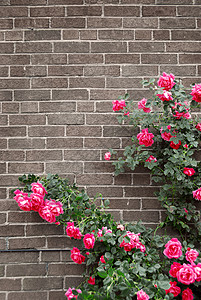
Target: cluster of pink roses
{"x": 134, "y": 242}
{"x": 47, "y": 209}
{"x": 69, "y": 293}
{"x": 186, "y": 273}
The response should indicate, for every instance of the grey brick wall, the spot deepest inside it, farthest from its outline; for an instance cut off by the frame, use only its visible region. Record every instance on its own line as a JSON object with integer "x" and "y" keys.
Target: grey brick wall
{"x": 62, "y": 63}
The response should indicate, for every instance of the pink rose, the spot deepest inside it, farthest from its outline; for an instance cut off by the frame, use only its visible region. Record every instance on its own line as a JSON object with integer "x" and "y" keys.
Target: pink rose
{"x": 174, "y": 289}
{"x": 142, "y": 105}
{"x": 181, "y": 114}
{"x": 141, "y": 295}
{"x": 187, "y": 294}
{"x": 175, "y": 146}
{"x": 145, "y": 138}
{"x": 76, "y": 256}
{"x": 73, "y": 231}
{"x": 38, "y": 188}
{"x": 69, "y": 294}
{"x": 186, "y": 211}
{"x": 89, "y": 241}
{"x": 105, "y": 230}
{"x": 166, "y": 81}
{"x": 118, "y": 105}
{"x": 175, "y": 267}
{"x": 91, "y": 281}
{"x": 197, "y": 269}
{"x": 56, "y": 207}
{"x": 23, "y": 200}
{"x": 186, "y": 274}
{"x": 189, "y": 171}
{"x": 196, "y": 93}
{"x": 173, "y": 249}
{"x": 186, "y": 146}
{"x": 102, "y": 259}
{"x": 166, "y": 96}
{"x": 126, "y": 113}
{"x": 198, "y": 126}
{"x": 46, "y": 213}
{"x": 166, "y": 135}
{"x": 197, "y": 194}
{"x": 37, "y": 201}
{"x": 191, "y": 255}
{"x": 121, "y": 227}
{"x": 151, "y": 158}
{"x": 134, "y": 239}
{"x": 107, "y": 156}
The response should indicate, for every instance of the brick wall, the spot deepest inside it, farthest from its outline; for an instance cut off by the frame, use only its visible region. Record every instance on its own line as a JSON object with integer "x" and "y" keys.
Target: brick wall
{"x": 62, "y": 63}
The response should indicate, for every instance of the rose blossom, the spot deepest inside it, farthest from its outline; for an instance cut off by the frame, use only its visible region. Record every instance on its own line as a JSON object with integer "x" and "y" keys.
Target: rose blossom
{"x": 56, "y": 207}
{"x": 187, "y": 294}
{"x": 175, "y": 267}
{"x": 197, "y": 269}
{"x": 151, "y": 158}
{"x": 191, "y": 255}
{"x": 102, "y": 259}
{"x": 69, "y": 293}
{"x": 174, "y": 289}
{"x": 175, "y": 146}
{"x": 141, "y": 295}
{"x": 100, "y": 231}
{"x": 89, "y": 240}
{"x": 134, "y": 241}
{"x": 38, "y": 188}
{"x": 196, "y": 93}
{"x": 73, "y": 231}
{"x": 142, "y": 105}
{"x": 186, "y": 274}
{"x": 118, "y": 105}
{"x": 186, "y": 211}
{"x": 186, "y": 146}
{"x": 76, "y": 256}
{"x": 166, "y": 81}
{"x": 166, "y": 135}
{"x": 189, "y": 171}
{"x": 198, "y": 126}
{"x": 22, "y": 200}
{"x": 181, "y": 114}
{"x": 50, "y": 210}
{"x": 107, "y": 156}
{"x": 173, "y": 249}
{"x": 37, "y": 201}
{"x": 197, "y": 194}
{"x": 91, "y": 281}
{"x": 166, "y": 96}
{"x": 121, "y": 227}
{"x": 145, "y": 138}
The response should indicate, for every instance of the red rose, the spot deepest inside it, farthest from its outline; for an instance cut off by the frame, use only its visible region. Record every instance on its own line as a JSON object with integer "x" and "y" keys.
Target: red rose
{"x": 174, "y": 289}
{"x": 175, "y": 267}
{"x": 145, "y": 138}
{"x": 186, "y": 274}
{"x": 175, "y": 146}
{"x": 173, "y": 249}
{"x": 166, "y": 81}
{"x": 196, "y": 93}
{"x": 187, "y": 294}
{"x": 189, "y": 171}
{"x": 76, "y": 256}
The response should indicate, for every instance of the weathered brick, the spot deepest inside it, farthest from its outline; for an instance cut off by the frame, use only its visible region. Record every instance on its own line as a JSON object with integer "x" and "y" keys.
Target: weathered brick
{"x": 36, "y": 131}
{"x": 105, "y": 94}
{"x": 48, "y": 11}
{"x": 71, "y": 94}
{"x": 59, "y": 295}
{"x": 28, "y": 71}
{"x": 22, "y": 217}
{"x": 111, "y": 47}
{"x": 31, "y": 47}
{"x": 43, "y": 155}
{"x": 146, "y": 47}
{"x": 14, "y": 83}
{"x": 6, "y": 48}
{"x": 14, "y": 35}
{"x": 172, "y": 23}
{"x": 14, "y": 59}
{"x": 31, "y": 95}
{"x": 122, "y": 58}
{"x": 161, "y": 35}
{"x": 12, "y": 155}
{"x": 68, "y": 23}
{"x": 38, "y": 35}
{"x": 13, "y": 11}
{"x": 140, "y": 22}
{"x": 42, "y": 283}
{"x": 144, "y": 216}
{"x": 66, "y": 119}
{"x": 143, "y": 34}
{"x": 26, "y": 243}
{"x": 98, "y": 167}
{"x": 83, "y": 131}
{"x": 179, "y": 70}
{"x": 26, "y": 270}
{"x": 123, "y": 82}
{"x": 88, "y": 34}
{"x": 85, "y": 59}
{"x": 28, "y": 2}
{"x": 12, "y": 131}
{"x": 84, "y": 11}
{"x": 3, "y": 167}
{"x": 135, "y": 70}
{"x": 71, "y": 47}
{"x": 10, "y": 230}
{"x": 126, "y": 11}
{"x": 50, "y": 256}
{"x": 65, "y": 2}
{"x": 61, "y": 242}
{"x": 20, "y": 168}
{"x": 189, "y": 11}
{"x": 65, "y": 268}
{"x": 118, "y": 131}
{"x": 102, "y": 71}
{"x": 189, "y": 58}
{"x": 3, "y": 120}
{"x": 31, "y": 23}
{"x": 85, "y": 106}
{"x": 65, "y": 70}
{"x": 193, "y": 47}
{"x": 71, "y": 34}
{"x": 90, "y": 82}
{"x": 149, "y": 203}
{"x": 102, "y": 1}
{"x": 175, "y": 2}
{"x": 57, "y": 106}
{"x": 125, "y": 204}
{"x": 63, "y": 143}
{"x": 64, "y": 167}
{"x": 27, "y": 295}
{"x": 49, "y": 83}
{"x": 116, "y": 34}
{"x": 27, "y": 119}
{"x": 104, "y": 22}
{"x": 9, "y": 284}
{"x": 3, "y": 143}
{"x": 6, "y": 23}
{"x": 161, "y": 58}
{"x": 27, "y": 143}
{"x": 90, "y": 179}
{"x": 9, "y": 180}
{"x": 46, "y": 229}
{"x": 139, "y": 192}
{"x": 49, "y": 59}
{"x": 158, "y": 11}
{"x": 101, "y": 119}
{"x": 2, "y": 193}
{"x": 3, "y": 71}
{"x": 101, "y": 143}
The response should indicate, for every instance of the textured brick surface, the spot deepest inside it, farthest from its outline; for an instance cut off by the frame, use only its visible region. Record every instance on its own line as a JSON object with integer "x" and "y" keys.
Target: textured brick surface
{"x": 62, "y": 63}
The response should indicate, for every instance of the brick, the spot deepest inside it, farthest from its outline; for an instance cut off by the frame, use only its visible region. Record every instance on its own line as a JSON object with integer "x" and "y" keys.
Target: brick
{"x": 31, "y": 95}
{"x": 189, "y": 58}
{"x": 143, "y": 34}
{"x": 10, "y": 284}
{"x": 42, "y": 283}
{"x": 27, "y": 143}
{"x": 159, "y": 58}
{"x": 73, "y": 281}
{"x": 112, "y": 47}
{"x": 3, "y": 143}
{"x": 102, "y": 71}
{"x": 66, "y": 119}
{"x": 84, "y": 11}
{"x": 85, "y": 59}
{"x": 49, "y": 83}
{"x": 71, "y": 34}
{"x": 27, "y": 295}
{"x": 125, "y": 203}
{"x": 190, "y": 81}
{"x": 81, "y": 155}
{"x": 135, "y": 70}
{"x": 65, "y": 70}
{"x": 101, "y": 119}
{"x": 3, "y": 120}
{"x": 88, "y": 34}
{"x": 90, "y": 82}
{"x": 175, "y": 2}
{"x": 13, "y": 12}
{"x": 183, "y": 47}
{"x": 140, "y": 23}
{"x": 38, "y": 35}
{"x": 161, "y": 35}
{"x": 145, "y": 217}
{"x": 158, "y": 11}
{"x": 26, "y": 270}
{"x": 116, "y": 34}
{"x": 10, "y": 230}
{"x": 71, "y": 94}
{"x": 6, "y": 48}
{"x": 63, "y": 143}
{"x": 31, "y": 47}
{"x": 173, "y": 23}
{"x": 3, "y": 71}
{"x": 14, "y": 59}
{"x": 29, "y": 107}
{"x": 149, "y": 203}
{"x": 65, "y": 268}
{"x": 83, "y": 131}
{"x": 90, "y": 179}
{"x": 14, "y": 35}
{"x": 2, "y": 247}
{"x": 46, "y": 229}
{"x": 122, "y": 58}
{"x": 179, "y": 70}
{"x": 27, "y": 243}
{"x": 68, "y": 23}
{"x": 23, "y": 217}
{"x": 98, "y": 167}
{"x": 27, "y": 120}
{"x": 189, "y": 11}
{"x": 3, "y": 167}
{"x": 100, "y": 143}
{"x": 9, "y": 180}
{"x": 123, "y": 82}
{"x": 5, "y": 95}
{"x": 112, "y": 191}
{"x": 71, "y": 47}
{"x": 2, "y": 193}
{"x": 49, "y": 59}
{"x": 102, "y": 1}
{"x": 5, "y": 2}
{"x": 36, "y": 131}
{"x": 119, "y": 11}
{"x": 62, "y": 167}
{"x": 31, "y": 23}
{"x": 61, "y": 242}
{"x": 28, "y": 71}
{"x": 104, "y": 23}
{"x": 117, "y": 131}
{"x": 28, "y": 2}
{"x": 20, "y": 168}
{"x": 2, "y": 220}
{"x": 65, "y": 2}
{"x": 12, "y": 155}
{"x": 10, "y": 205}
{"x": 105, "y": 94}
{"x": 186, "y": 35}
{"x": 146, "y": 47}
{"x": 2, "y": 36}
{"x": 43, "y": 155}
{"x": 85, "y": 106}
{"x": 12, "y": 131}
{"x": 6, "y": 23}
{"x": 48, "y": 11}
{"x": 59, "y": 295}
{"x": 50, "y": 256}
{"x": 57, "y": 106}
{"x": 14, "y": 83}
{"x": 139, "y": 192}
